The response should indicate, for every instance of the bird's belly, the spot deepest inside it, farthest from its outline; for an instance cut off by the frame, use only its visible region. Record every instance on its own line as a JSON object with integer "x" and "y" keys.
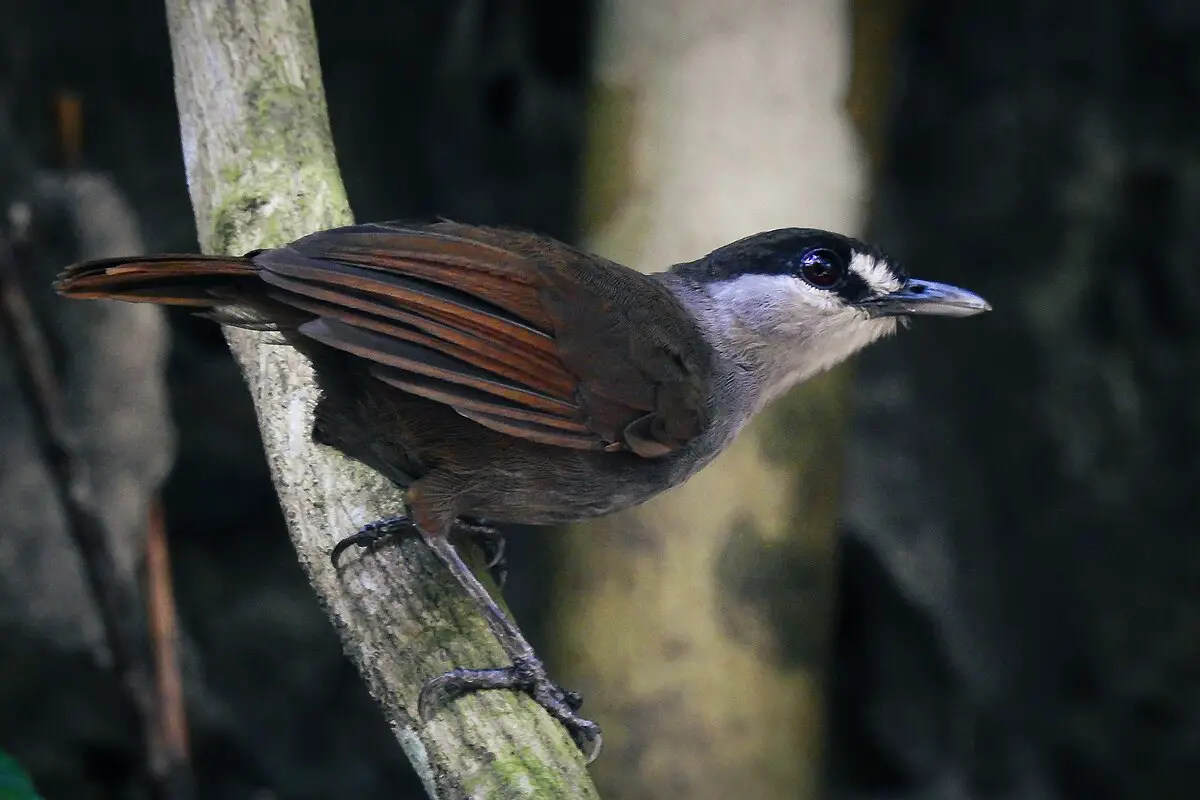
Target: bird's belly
{"x": 588, "y": 485}
{"x": 528, "y": 506}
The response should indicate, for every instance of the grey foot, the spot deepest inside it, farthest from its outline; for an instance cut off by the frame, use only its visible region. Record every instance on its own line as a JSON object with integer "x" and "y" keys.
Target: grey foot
{"x": 528, "y": 676}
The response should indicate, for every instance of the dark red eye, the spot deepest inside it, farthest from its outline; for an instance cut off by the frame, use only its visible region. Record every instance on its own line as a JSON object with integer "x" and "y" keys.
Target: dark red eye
{"x": 822, "y": 268}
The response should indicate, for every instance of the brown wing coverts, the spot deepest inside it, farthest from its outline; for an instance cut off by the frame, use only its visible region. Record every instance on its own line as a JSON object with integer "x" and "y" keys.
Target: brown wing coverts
{"x": 504, "y": 329}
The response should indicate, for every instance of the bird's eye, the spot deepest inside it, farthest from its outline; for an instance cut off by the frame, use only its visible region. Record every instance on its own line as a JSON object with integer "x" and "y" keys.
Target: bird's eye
{"x": 822, "y": 268}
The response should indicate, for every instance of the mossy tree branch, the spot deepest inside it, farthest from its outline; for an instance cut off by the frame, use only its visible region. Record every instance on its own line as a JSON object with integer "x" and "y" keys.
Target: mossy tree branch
{"x": 262, "y": 170}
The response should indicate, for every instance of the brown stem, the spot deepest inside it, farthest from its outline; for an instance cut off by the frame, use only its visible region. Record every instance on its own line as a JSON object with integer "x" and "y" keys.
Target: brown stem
{"x": 170, "y": 720}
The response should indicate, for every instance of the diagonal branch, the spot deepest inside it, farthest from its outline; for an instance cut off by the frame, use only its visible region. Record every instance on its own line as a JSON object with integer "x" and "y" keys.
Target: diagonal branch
{"x": 262, "y": 170}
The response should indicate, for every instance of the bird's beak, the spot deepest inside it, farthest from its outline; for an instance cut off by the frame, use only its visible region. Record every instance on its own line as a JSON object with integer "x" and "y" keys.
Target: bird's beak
{"x": 927, "y": 297}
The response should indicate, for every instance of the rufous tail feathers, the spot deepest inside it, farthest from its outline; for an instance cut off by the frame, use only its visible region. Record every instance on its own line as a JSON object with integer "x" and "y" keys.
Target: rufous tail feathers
{"x": 179, "y": 280}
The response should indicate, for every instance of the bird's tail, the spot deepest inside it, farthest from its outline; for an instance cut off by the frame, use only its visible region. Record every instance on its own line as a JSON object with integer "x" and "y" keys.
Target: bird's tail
{"x": 177, "y": 280}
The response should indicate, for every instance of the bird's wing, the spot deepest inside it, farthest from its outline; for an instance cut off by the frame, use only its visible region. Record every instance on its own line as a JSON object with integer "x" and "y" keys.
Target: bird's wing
{"x": 523, "y": 335}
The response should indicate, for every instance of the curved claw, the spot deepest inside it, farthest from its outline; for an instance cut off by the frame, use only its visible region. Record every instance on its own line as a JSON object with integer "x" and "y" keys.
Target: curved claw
{"x": 425, "y": 698}
{"x": 458, "y": 682}
{"x": 343, "y": 545}
{"x": 370, "y": 534}
{"x": 592, "y": 742}
{"x": 497, "y": 553}
{"x": 493, "y": 544}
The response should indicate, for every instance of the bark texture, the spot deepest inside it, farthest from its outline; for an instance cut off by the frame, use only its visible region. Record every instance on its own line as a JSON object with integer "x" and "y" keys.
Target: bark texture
{"x": 262, "y": 171}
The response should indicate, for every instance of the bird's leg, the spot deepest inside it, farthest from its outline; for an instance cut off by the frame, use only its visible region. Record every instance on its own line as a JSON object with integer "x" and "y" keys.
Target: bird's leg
{"x": 486, "y": 536}
{"x": 526, "y": 673}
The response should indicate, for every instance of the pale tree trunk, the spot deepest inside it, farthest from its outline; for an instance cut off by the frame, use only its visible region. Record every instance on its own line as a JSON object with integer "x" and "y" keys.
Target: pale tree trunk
{"x": 262, "y": 171}
{"x": 698, "y": 624}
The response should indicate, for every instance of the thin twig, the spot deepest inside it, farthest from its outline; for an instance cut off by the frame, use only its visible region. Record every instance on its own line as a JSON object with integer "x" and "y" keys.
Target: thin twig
{"x": 170, "y": 729}
{"x": 116, "y": 599}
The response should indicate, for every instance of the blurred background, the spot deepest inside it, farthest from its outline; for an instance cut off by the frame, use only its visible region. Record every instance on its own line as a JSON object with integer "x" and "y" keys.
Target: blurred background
{"x": 966, "y": 565}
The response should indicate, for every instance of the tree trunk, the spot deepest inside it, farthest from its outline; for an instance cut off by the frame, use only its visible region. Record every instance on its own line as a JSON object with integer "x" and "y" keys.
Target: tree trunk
{"x": 698, "y": 624}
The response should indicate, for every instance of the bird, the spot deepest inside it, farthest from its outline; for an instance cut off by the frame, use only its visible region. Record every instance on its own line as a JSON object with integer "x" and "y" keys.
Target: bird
{"x": 499, "y": 376}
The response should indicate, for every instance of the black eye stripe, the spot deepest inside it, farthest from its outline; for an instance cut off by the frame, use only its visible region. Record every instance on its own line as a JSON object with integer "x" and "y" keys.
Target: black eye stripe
{"x": 780, "y": 252}
{"x": 853, "y": 289}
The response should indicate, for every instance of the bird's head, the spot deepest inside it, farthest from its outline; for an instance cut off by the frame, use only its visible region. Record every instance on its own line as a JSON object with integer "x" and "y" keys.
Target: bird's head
{"x": 789, "y": 303}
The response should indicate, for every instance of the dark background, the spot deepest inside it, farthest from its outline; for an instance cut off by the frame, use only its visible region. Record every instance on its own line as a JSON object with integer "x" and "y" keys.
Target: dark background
{"x": 1020, "y": 571}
